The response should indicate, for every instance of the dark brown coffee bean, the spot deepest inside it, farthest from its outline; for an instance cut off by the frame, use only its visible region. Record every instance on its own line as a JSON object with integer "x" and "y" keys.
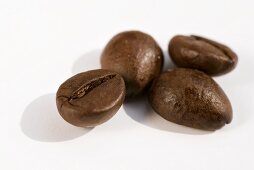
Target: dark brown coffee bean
{"x": 90, "y": 98}
{"x": 134, "y": 55}
{"x": 203, "y": 54}
{"x": 191, "y": 98}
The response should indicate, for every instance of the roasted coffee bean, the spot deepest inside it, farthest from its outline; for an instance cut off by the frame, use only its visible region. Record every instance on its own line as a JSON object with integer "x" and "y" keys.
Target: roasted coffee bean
{"x": 90, "y": 98}
{"x": 190, "y": 97}
{"x": 203, "y": 54}
{"x": 134, "y": 55}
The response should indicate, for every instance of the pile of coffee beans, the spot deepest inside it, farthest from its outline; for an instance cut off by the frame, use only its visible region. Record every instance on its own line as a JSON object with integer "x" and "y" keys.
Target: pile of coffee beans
{"x": 132, "y": 64}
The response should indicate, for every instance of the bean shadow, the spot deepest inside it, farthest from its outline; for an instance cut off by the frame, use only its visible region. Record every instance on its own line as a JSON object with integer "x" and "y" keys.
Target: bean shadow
{"x": 88, "y": 61}
{"x": 42, "y": 122}
{"x": 237, "y": 85}
{"x": 242, "y": 100}
{"x": 240, "y": 76}
{"x": 168, "y": 63}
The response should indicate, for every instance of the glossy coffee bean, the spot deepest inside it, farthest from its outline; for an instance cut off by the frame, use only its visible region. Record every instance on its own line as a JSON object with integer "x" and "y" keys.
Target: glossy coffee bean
{"x": 90, "y": 98}
{"x": 191, "y": 98}
{"x": 134, "y": 55}
{"x": 203, "y": 54}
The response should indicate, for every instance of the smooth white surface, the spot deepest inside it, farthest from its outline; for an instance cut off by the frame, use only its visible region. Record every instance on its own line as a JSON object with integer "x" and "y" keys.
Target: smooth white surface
{"x": 44, "y": 42}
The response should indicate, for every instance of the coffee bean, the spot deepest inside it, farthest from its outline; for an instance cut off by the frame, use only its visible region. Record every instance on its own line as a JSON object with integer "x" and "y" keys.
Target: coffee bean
{"x": 90, "y": 98}
{"x": 191, "y": 98}
{"x": 203, "y": 54}
{"x": 134, "y": 55}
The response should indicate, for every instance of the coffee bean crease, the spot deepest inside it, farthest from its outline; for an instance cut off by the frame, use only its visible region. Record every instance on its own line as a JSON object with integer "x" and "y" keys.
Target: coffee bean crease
{"x": 220, "y": 47}
{"x": 88, "y": 87}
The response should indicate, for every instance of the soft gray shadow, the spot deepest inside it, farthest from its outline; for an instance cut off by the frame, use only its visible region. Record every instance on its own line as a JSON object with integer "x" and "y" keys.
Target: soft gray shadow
{"x": 42, "y": 122}
{"x": 242, "y": 101}
{"x": 88, "y": 61}
{"x": 240, "y": 76}
{"x": 140, "y": 110}
{"x": 168, "y": 63}
{"x": 238, "y": 86}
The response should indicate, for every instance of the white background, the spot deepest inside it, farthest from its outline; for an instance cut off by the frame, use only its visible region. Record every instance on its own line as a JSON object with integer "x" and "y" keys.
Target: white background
{"x": 44, "y": 42}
